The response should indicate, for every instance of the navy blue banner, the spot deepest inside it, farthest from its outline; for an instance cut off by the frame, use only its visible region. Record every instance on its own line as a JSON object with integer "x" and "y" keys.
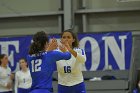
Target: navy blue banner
{"x": 103, "y": 50}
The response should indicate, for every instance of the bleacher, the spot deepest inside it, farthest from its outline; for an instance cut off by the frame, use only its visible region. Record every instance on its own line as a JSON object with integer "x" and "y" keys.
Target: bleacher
{"x": 120, "y": 85}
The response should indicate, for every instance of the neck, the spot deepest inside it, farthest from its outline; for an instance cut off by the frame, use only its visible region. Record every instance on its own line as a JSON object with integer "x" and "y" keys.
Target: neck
{"x": 24, "y": 69}
{"x": 71, "y": 47}
{"x": 3, "y": 65}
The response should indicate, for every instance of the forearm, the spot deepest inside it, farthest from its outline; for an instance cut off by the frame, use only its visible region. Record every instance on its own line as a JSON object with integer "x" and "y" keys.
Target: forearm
{"x": 81, "y": 58}
{"x": 74, "y": 53}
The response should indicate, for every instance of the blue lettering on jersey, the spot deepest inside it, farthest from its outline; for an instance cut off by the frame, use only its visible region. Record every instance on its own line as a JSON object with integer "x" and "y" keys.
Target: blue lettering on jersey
{"x": 67, "y": 69}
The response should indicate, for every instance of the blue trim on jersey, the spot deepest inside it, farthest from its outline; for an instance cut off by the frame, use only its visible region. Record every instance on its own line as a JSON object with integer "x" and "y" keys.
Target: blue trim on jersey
{"x": 79, "y": 88}
{"x": 82, "y": 51}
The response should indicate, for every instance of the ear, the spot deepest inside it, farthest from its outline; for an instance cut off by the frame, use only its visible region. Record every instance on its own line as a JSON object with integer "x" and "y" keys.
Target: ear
{"x": 73, "y": 40}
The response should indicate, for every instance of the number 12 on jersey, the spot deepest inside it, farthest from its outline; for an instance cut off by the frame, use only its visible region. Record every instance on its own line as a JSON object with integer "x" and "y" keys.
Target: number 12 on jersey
{"x": 36, "y": 65}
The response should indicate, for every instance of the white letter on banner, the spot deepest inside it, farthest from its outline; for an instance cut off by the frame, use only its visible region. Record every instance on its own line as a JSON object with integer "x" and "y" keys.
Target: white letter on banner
{"x": 5, "y": 49}
{"x": 118, "y": 54}
{"x": 95, "y": 51}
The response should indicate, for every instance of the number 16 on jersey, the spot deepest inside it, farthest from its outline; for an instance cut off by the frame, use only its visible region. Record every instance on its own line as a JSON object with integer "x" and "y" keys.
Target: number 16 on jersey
{"x": 67, "y": 69}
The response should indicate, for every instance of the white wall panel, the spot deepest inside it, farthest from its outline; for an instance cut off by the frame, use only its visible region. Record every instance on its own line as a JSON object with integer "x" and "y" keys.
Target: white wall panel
{"x": 28, "y": 6}
{"x": 28, "y": 25}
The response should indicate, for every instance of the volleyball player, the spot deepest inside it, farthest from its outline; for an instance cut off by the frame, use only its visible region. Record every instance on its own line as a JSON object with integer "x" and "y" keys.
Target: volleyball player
{"x": 23, "y": 78}
{"x": 5, "y": 75}
{"x": 70, "y": 78}
{"x": 42, "y": 62}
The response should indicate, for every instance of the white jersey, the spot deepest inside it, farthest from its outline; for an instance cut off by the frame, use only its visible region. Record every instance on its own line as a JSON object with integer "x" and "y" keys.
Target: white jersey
{"x": 70, "y": 71}
{"x": 22, "y": 80}
{"x": 5, "y": 74}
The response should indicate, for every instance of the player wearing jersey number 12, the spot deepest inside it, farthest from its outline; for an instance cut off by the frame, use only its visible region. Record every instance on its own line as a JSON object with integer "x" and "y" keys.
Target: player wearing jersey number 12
{"x": 41, "y": 61}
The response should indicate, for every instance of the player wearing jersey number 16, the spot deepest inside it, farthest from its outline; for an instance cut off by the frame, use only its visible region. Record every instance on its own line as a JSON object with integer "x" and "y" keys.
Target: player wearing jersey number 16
{"x": 70, "y": 78}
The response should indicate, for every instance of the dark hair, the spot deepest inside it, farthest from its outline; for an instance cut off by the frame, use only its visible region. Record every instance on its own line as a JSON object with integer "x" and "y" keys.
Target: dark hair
{"x": 76, "y": 42}
{"x": 24, "y": 60}
{"x": 1, "y": 57}
{"x": 39, "y": 42}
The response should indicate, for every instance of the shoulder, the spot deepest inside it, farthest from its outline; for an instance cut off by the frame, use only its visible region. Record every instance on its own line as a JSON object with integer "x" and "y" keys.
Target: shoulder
{"x": 78, "y": 49}
{"x": 9, "y": 69}
{"x": 28, "y": 71}
{"x": 18, "y": 72}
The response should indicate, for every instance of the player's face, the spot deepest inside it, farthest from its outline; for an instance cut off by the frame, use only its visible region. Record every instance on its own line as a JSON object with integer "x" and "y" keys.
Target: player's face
{"x": 67, "y": 36}
{"x": 4, "y": 60}
{"x": 23, "y": 64}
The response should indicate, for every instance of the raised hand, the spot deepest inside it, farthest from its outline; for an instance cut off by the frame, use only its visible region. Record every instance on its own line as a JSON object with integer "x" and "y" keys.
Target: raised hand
{"x": 52, "y": 45}
{"x": 62, "y": 48}
{"x": 65, "y": 43}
